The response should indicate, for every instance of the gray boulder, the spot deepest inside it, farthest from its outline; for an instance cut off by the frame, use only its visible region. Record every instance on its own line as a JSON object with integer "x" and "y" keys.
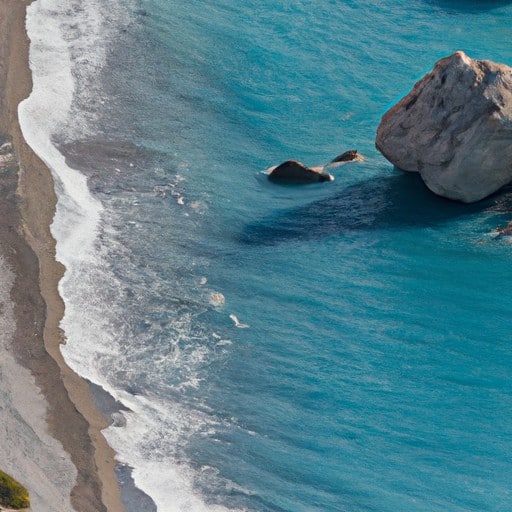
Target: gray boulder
{"x": 454, "y": 128}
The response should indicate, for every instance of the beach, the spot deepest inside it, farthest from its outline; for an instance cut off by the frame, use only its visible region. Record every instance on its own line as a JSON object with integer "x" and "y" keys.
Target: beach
{"x": 50, "y": 439}
{"x": 248, "y": 346}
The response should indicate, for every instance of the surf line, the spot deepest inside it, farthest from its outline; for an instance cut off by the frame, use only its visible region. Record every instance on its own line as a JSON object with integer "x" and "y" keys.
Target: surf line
{"x": 237, "y": 322}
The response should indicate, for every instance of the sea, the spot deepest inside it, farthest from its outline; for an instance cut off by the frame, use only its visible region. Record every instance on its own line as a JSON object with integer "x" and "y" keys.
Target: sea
{"x": 336, "y": 347}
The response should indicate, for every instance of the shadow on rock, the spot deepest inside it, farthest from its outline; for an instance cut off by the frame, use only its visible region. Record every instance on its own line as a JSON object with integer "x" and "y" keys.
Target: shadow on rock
{"x": 392, "y": 201}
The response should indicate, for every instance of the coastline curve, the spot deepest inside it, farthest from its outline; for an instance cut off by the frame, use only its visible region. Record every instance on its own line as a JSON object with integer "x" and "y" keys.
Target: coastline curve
{"x": 55, "y": 197}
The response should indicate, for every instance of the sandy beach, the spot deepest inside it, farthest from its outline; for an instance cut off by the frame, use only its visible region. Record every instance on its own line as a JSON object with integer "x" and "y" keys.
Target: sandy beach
{"x": 50, "y": 436}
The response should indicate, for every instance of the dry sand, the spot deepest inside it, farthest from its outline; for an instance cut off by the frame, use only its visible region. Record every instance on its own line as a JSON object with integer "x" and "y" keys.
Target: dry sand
{"x": 50, "y": 437}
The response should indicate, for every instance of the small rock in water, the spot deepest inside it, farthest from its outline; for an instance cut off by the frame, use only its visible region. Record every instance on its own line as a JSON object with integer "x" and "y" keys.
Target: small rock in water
{"x": 296, "y": 172}
{"x": 454, "y": 128}
{"x": 352, "y": 155}
{"x": 292, "y": 171}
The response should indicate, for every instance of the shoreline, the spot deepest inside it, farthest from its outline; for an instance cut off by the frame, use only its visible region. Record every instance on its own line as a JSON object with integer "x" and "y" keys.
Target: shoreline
{"x": 29, "y": 249}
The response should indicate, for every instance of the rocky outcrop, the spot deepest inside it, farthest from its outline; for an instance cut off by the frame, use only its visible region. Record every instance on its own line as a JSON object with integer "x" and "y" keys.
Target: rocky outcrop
{"x": 454, "y": 128}
{"x": 292, "y": 171}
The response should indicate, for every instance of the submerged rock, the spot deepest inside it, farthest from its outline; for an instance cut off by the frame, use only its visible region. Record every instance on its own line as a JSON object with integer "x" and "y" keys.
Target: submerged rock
{"x": 454, "y": 128}
{"x": 292, "y": 171}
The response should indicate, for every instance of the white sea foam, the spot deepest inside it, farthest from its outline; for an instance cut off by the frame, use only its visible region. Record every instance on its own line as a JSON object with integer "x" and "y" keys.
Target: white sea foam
{"x": 152, "y": 437}
{"x": 41, "y": 115}
{"x": 237, "y": 322}
{"x": 216, "y": 299}
{"x": 154, "y": 429}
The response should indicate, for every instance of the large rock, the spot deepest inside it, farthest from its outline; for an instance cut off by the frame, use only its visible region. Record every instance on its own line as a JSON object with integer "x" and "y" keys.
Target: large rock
{"x": 454, "y": 128}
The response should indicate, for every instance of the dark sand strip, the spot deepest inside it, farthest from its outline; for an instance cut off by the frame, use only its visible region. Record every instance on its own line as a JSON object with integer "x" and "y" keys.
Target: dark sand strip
{"x": 27, "y": 208}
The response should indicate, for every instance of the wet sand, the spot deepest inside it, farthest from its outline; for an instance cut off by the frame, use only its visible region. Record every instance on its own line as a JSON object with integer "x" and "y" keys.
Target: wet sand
{"x": 50, "y": 439}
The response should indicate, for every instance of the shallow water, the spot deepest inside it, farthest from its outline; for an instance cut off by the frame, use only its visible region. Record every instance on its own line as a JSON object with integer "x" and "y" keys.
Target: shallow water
{"x": 373, "y": 371}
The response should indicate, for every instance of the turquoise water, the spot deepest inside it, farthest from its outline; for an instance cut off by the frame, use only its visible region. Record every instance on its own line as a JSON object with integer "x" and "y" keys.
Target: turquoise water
{"x": 373, "y": 374}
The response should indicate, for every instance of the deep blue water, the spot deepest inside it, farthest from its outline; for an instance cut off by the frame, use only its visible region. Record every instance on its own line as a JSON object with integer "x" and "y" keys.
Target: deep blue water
{"x": 374, "y": 374}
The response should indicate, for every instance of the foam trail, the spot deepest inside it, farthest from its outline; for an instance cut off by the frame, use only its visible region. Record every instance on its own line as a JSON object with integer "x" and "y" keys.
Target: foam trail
{"x": 164, "y": 478}
{"x": 78, "y": 212}
{"x": 237, "y": 322}
{"x": 93, "y": 345}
